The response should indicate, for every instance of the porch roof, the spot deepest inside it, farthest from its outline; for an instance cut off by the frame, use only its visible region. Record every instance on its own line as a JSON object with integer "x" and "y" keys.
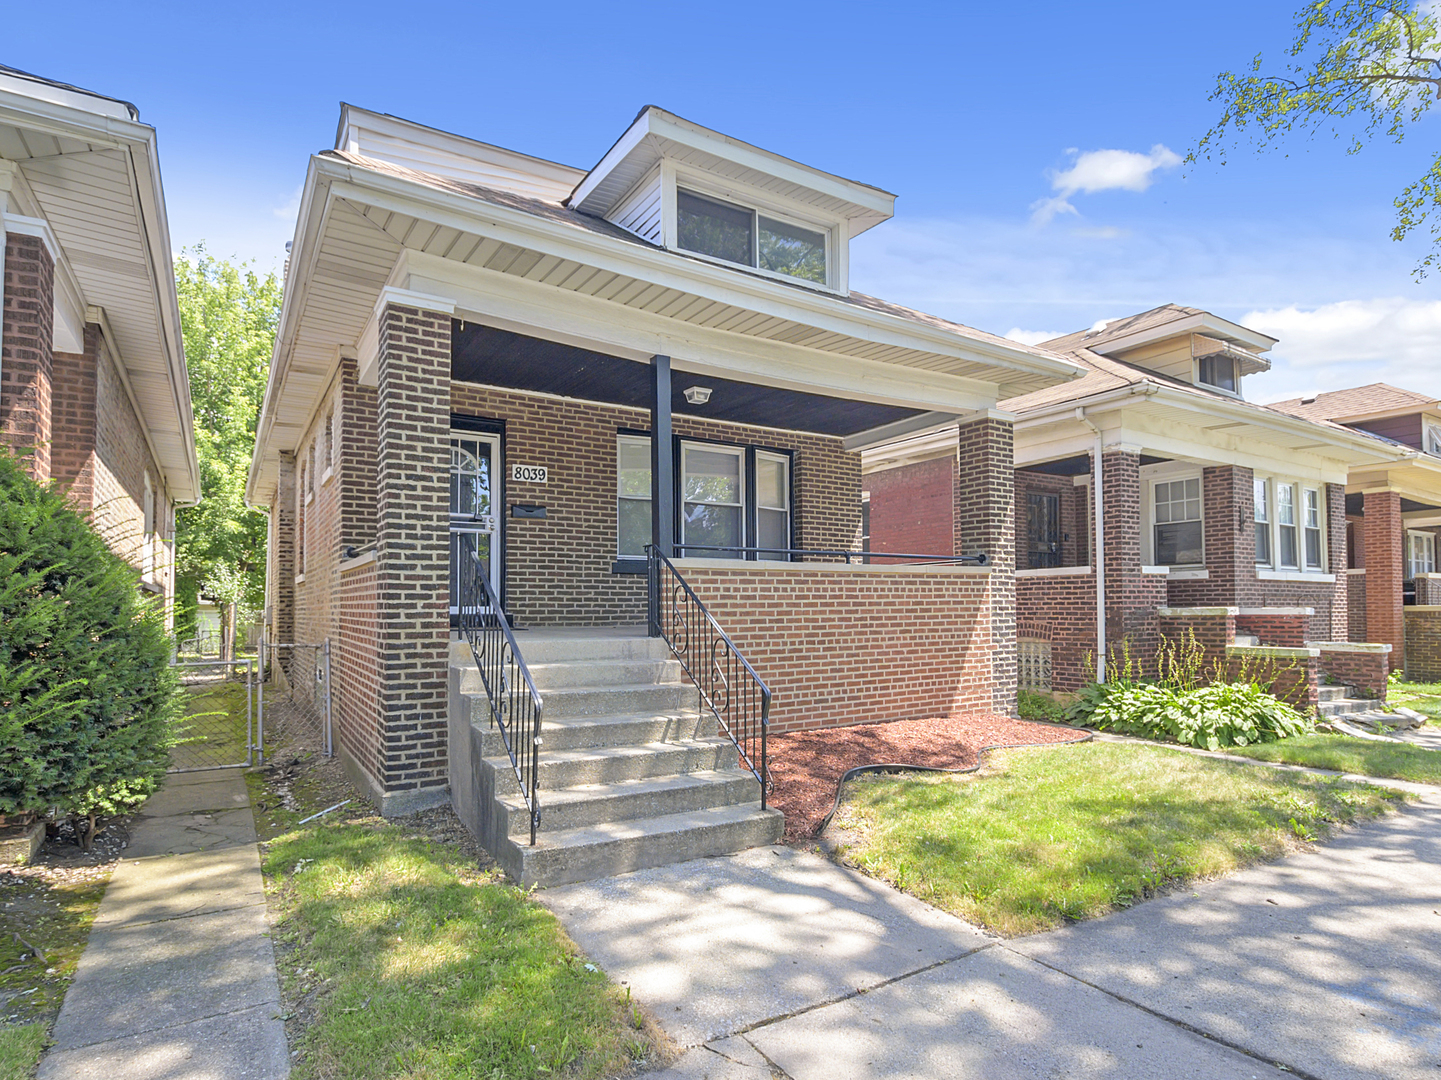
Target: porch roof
{"x": 533, "y": 266}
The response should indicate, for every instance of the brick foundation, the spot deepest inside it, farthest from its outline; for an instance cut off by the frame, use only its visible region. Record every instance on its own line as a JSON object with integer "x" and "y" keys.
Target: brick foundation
{"x": 27, "y": 351}
{"x": 1061, "y": 609}
{"x": 849, "y": 645}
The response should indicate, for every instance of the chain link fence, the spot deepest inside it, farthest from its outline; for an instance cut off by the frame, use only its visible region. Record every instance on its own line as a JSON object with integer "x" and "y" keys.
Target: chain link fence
{"x": 219, "y": 728}
{"x": 294, "y": 704}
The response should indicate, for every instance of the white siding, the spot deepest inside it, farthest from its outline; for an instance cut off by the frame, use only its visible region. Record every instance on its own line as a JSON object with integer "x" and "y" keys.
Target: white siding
{"x": 640, "y": 211}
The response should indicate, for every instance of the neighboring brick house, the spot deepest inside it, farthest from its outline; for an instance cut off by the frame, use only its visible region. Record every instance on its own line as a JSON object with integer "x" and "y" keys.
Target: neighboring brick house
{"x": 475, "y": 348}
{"x": 1212, "y": 507}
{"x": 1393, "y": 508}
{"x": 93, "y": 388}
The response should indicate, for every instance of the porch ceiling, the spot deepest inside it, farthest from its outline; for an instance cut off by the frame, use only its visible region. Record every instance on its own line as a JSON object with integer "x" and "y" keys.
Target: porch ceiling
{"x": 485, "y": 354}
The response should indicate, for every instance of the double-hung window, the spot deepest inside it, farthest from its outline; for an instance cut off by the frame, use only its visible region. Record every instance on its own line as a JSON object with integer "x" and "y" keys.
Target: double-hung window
{"x": 633, "y": 511}
{"x": 1286, "y": 549}
{"x": 773, "y": 504}
{"x": 1177, "y": 533}
{"x": 1262, "y": 515}
{"x": 1311, "y": 523}
{"x": 1420, "y": 554}
{"x": 739, "y": 234}
{"x": 713, "y": 498}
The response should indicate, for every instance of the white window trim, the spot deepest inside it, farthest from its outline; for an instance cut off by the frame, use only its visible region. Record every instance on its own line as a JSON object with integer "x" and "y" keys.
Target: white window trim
{"x": 1197, "y": 381}
{"x": 1273, "y": 570}
{"x": 1432, "y": 440}
{"x": 1413, "y": 534}
{"x": 785, "y": 463}
{"x": 700, "y": 186}
{"x": 723, "y": 448}
{"x": 640, "y": 440}
{"x": 1150, "y": 537}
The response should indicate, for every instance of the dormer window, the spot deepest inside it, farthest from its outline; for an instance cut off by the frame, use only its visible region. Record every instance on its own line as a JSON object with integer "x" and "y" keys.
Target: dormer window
{"x": 1219, "y": 372}
{"x": 1433, "y": 439}
{"x": 741, "y": 235}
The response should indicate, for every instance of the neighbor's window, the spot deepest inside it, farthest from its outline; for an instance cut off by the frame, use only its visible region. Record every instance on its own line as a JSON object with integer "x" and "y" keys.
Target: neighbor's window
{"x": 632, "y": 495}
{"x": 1286, "y": 525}
{"x": 713, "y": 500}
{"x": 1311, "y": 522}
{"x": 1178, "y": 523}
{"x": 1420, "y": 554}
{"x": 741, "y": 235}
{"x": 773, "y": 503}
{"x": 1262, "y": 516}
{"x": 1220, "y": 372}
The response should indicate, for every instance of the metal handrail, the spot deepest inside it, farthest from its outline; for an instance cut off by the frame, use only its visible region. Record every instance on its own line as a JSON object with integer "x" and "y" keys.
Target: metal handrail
{"x": 515, "y": 704}
{"x": 863, "y": 556}
{"x": 728, "y": 686}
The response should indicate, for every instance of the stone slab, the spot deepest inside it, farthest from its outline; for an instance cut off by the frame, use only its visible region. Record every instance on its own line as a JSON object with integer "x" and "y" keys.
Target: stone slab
{"x": 245, "y": 1045}
{"x": 1329, "y": 960}
{"x": 713, "y": 946}
{"x": 136, "y": 978}
{"x": 152, "y": 889}
{"x": 994, "y": 1015}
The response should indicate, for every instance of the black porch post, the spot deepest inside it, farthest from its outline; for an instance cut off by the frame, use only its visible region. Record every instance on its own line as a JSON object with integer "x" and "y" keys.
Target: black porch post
{"x": 662, "y": 479}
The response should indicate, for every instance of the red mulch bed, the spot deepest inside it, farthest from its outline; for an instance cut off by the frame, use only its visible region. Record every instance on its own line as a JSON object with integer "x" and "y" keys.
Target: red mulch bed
{"x": 806, "y": 766}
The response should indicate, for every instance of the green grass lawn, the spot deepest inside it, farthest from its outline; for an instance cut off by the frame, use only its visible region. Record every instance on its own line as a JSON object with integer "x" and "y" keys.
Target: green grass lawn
{"x": 420, "y": 966}
{"x": 1046, "y": 835}
{"x": 1395, "y": 761}
{"x": 20, "y": 1050}
{"x": 1425, "y": 698}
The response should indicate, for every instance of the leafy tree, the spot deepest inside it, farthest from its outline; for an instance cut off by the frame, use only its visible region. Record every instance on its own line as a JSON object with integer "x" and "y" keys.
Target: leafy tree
{"x": 87, "y": 693}
{"x": 1357, "y": 68}
{"x": 228, "y": 315}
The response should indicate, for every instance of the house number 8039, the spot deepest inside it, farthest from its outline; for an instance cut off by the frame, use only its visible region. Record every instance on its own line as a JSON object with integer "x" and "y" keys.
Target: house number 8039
{"x": 529, "y": 474}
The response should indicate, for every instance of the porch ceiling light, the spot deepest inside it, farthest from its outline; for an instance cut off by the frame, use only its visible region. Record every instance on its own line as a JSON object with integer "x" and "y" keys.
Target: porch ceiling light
{"x": 697, "y": 395}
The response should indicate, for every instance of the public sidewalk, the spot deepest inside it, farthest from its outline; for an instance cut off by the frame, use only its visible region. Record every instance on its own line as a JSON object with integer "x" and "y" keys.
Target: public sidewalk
{"x": 178, "y": 979}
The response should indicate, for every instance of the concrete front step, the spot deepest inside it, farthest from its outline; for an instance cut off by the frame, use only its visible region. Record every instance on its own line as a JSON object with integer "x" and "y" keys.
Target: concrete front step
{"x": 548, "y": 647}
{"x": 1346, "y": 706}
{"x": 566, "y": 676}
{"x": 582, "y": 732}
{"x": 613, "y": 700}
{"x": 607, "y": 764}
{"x": 1333, "y": 693}
{"x": 629, "y": 800}
{"x": 581, "y": 854}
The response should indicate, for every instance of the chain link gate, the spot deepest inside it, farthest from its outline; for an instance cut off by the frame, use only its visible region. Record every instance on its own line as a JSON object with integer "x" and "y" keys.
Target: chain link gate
{"x": 298, "y": 703}
{"x": 216, "y": 732}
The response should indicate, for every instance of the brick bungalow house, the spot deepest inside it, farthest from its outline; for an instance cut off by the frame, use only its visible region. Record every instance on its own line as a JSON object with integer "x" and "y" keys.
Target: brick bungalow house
{"x": 92, "y": 371}
{"x": 1213, "y": 512}
{"x": 493, "y": 364}
{"x": 1393, "y": 515}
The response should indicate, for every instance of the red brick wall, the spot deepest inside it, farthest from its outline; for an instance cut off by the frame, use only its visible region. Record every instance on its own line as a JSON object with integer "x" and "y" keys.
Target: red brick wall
{"x": 985, "y": 508}
{"x": 26, "y": 350}
{"x": 1274, "y": 628}
{"x": 912, "y": 507}
{"x": 1356, "y": 607}
{"x": 73, "y": 420}
{"x": 1294, "y": 680}
{"x": 1214, "y": 632}
{"x": 355, "y": 666}
{"x": 1384, "y": 572}
{"x": 842, "y": 646}
{"x": 280, "y": 565}
{"x": 1423, "y": 644}
{"x": 1365, "y": 671}
{"x": 1061, "y": 610}
{"x": 355, "y": 433}
{"x": 558, "y": 569}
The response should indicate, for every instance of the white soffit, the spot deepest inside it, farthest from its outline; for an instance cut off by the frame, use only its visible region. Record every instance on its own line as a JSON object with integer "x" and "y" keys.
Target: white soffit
{"x": 657, "y": 134}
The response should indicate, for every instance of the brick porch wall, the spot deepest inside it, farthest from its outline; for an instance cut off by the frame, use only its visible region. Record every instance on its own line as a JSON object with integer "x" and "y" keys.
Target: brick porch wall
{"x": 985, "y": 502}
{"x": 1356, "y": 606}
{"x": 1423, "y": 643}
{"x": 1384, "y": 571}
{"x": 1365, "y": 667}
{"x": 559, "y": 569}
{"x": 27, "y": 350}
{"x": 840, "y": 646}
{"x": 1289, "y": 629}
{"x": 912, "y": 507}
{"x": 1060, "y": 609}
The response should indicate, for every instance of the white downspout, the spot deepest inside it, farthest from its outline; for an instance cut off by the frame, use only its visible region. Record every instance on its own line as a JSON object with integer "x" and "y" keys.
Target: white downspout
{"x": 1099, "y": 516}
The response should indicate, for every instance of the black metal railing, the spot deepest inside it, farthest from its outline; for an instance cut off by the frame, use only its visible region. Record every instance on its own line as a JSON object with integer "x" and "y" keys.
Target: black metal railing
{"x": 813, "y": 554}
{"x": 728, "y": 687}
{"x": 515, "y": 705}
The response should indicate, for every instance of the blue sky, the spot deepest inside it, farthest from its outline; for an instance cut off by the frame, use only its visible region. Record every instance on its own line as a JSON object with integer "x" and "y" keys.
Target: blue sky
{"x": 974, "y": 115}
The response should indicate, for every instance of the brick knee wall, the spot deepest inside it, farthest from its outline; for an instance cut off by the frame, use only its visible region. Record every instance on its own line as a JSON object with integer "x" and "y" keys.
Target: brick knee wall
{"x": 1423, "y": 643}
{"x": 1366, "y": 671}
{"x": 1062, "y": 611}
{"x": 1290, "y": 631}
{"x": 1428, "y": 589}
{"x": 27, "y": 350}
{"x": 1356, "y": 607}
{"x": 842, "y": 646}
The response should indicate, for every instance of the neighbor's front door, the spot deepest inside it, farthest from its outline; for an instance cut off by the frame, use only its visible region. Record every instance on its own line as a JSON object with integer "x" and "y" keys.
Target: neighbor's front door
{"x": 474, "y": 497}
{"x": 1043, "y": 521}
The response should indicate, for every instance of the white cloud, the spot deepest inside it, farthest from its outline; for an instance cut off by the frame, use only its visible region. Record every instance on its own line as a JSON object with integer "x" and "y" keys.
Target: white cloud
{"x": 1354, "y": 342}
{"x": 290, "y": 209}
{"x": 1033, "y": 337}
{"x": 1102, "y": 170}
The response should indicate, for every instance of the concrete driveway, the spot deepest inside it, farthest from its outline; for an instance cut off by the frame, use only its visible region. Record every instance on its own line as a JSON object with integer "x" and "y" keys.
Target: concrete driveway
{"x": 776, "y": 962}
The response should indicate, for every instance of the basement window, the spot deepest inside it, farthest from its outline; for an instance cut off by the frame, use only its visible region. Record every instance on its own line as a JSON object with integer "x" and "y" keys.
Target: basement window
{"x": 741, "y": 235}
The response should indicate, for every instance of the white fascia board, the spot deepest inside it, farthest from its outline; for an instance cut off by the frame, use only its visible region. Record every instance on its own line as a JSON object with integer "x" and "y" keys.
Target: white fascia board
{"x": 1204, "y": 323}
{"x": 664, "y": 268}
{"x": 37, "y": 89}
{"x": 631, "y": 138}
{"x": 68, "y": 118}
{"x": 524, "y": 306}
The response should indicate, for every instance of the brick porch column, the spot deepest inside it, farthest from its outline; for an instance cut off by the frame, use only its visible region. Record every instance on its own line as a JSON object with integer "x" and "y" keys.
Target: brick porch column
{"x": 1131, "y": 597}
{"x": 985, "y": 521}
{"x": 413, "y": 556}
{"x": 1228, "y": 493}
{"x": 26, "y": 351}
{"x": 1381, "y": 521}
{"x": 1340, "y": 620}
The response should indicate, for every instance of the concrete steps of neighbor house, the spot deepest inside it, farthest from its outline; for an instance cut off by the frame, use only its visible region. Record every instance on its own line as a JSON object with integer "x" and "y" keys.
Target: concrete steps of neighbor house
{"x": 611, "y": 700}
{"x": 553, "y": 647}
{"x": 582, "y": 732}
{"x": 588, "y": 805}
{"x": 557, "y": 769}
{"x": 567, "y": 675}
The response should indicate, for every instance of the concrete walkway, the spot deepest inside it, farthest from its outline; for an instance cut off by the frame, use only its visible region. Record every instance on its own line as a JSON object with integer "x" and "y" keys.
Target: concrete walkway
{"x": 779, "y": 963}
{"x": 178, "y": 979}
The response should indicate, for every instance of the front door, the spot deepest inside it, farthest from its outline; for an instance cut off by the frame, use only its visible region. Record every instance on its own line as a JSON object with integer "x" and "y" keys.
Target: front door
{"x": 474, "y": 496}
{"x": 1043, "y": 521}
